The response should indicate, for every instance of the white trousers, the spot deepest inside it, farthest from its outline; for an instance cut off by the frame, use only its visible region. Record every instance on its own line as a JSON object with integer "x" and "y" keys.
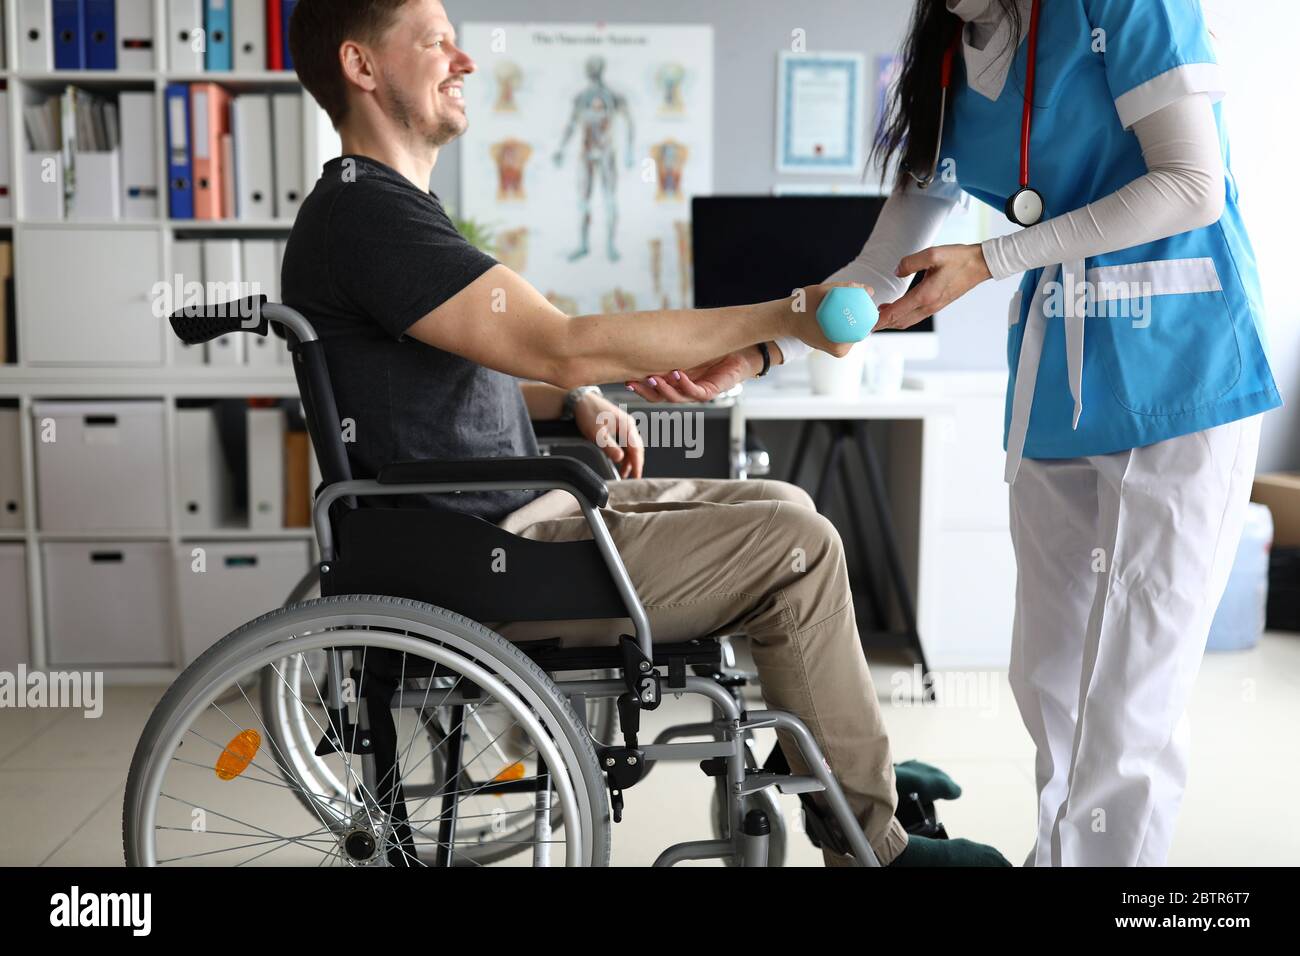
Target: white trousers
{"x": 1121, "y": 562}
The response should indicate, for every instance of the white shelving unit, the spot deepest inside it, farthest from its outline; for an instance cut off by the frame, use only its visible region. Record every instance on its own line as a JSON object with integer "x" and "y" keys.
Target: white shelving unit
{"x": 151, "y": 378}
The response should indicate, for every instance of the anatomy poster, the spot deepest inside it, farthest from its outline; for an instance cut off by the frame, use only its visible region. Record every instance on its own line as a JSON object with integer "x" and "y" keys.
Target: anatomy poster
{"x": 585, "y": 146}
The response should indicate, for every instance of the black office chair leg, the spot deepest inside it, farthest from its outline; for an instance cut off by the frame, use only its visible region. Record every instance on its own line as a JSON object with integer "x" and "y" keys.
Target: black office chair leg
{"x": 889, "y": 537}
{"x": 870, "y": 586}
{"x": 806, "y": 429}
{"x": 833, "y": 455}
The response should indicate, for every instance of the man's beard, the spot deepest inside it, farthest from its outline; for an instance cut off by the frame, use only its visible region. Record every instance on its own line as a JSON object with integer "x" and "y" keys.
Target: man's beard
{"x": 401, "y": 112}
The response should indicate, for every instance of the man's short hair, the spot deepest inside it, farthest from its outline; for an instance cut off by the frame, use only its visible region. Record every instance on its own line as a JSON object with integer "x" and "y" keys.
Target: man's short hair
{"x": 316, "y": 31}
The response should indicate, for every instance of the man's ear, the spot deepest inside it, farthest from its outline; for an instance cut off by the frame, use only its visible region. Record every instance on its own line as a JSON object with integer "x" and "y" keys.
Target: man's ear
{"x": 357, "y": 65}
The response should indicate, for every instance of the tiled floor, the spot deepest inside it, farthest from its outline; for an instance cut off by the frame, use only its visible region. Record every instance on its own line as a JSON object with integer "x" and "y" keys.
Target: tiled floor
{"x": 62, "y": 776}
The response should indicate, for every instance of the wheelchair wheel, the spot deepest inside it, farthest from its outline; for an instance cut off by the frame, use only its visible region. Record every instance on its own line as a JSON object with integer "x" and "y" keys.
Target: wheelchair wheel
{"x": 489, "y": 829}
{"x": 206, "y": 784}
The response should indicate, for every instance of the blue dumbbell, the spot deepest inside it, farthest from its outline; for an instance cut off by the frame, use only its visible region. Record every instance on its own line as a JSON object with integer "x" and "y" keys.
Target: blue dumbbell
{"x": 847, "y": 314}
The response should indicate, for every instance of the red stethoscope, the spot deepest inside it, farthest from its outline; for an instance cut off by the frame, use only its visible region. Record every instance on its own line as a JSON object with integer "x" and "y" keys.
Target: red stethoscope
{"x": 1025, "y": 207}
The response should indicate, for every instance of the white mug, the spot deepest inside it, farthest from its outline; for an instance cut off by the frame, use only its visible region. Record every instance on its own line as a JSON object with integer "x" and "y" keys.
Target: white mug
{"x": 838, "y": 377}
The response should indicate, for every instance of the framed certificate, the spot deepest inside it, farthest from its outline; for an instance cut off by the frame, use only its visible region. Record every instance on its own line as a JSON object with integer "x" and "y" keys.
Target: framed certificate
{"x": 821, "y": 101}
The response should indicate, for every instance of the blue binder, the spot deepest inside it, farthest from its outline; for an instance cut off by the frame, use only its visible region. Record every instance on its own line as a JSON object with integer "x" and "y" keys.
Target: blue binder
{"x": 68, "y": 17}
{"x": 216, "y": 23}
{"x": 101, "y": 34}
{"x": 180, "y": 153}
{"x": 286, "y": 11}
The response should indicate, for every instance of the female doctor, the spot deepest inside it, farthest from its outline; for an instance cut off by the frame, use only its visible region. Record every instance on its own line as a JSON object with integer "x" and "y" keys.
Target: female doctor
{"x": 1138, "y": 371}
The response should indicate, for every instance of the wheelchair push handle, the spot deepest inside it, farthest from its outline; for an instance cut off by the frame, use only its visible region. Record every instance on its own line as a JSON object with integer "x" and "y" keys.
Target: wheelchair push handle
{"x": 196, "y": 324}
{"x": 847, "y": 314}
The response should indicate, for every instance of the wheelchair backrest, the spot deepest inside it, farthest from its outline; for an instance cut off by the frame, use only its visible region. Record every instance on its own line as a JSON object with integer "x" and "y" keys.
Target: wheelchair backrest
{"x": 197, "y": 324}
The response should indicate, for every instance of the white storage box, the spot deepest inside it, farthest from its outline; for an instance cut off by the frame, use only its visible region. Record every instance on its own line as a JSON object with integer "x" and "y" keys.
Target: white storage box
{"x": 97, "y": 306}
{"x": 240, "y": 581}
{"x": 104, "y": 470}
{"x": 14, "y": 642}
{"x": 108, "y": 603}
{"x": 11, "y": 470}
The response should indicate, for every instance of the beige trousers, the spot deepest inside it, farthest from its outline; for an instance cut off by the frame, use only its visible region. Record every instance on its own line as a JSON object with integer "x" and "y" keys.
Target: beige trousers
{"x": 713, "y": 556}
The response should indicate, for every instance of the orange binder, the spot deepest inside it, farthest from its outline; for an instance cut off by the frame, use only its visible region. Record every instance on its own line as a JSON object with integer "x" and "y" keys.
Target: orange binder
{"x": 210, "y": 118}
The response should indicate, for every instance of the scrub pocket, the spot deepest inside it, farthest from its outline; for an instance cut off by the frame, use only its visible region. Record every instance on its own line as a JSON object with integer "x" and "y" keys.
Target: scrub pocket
{"x": 1168, "y": 337}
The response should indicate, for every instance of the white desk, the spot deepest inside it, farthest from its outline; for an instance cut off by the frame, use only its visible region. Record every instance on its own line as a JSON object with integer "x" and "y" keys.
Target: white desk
{"x": 946, "y": 494}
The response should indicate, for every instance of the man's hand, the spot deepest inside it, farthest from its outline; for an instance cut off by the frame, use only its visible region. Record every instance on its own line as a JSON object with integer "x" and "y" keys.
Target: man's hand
{"x": 950, "y": 272}
{"x": 613, "y": 431}
{"x": 702, "y": 383}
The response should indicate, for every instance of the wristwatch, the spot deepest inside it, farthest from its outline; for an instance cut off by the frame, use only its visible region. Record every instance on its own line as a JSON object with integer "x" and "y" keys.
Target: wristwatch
{"x": 574, "y": 396}
{"x": 767, "y": 358}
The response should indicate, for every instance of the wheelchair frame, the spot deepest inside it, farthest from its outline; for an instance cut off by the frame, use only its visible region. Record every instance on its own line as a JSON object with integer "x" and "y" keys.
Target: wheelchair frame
{"x": 641, "y": 686}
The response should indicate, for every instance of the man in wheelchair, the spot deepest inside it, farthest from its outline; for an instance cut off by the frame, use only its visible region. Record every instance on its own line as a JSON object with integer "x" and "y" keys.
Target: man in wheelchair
{"x": 427, "y": 340}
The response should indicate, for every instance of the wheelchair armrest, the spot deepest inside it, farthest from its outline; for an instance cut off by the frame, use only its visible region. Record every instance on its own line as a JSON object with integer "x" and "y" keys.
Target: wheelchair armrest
{"x": 570, "y": 471}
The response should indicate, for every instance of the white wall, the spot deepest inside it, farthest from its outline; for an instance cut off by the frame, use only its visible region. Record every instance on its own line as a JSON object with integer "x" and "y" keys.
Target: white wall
{"x": 1256, "y": 40}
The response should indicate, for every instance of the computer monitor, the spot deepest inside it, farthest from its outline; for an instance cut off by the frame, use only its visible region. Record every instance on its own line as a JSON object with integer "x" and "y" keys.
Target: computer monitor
{"x": 756, "y": 248}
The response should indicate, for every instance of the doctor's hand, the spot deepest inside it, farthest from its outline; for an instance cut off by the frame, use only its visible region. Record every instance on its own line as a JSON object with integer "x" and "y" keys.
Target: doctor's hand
{"x": 612, "y": 430}
{"x": 950, "y": 272}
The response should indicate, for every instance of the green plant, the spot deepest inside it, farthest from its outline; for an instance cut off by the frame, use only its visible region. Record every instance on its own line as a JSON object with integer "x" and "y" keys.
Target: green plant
{"x": 481, "y": 235}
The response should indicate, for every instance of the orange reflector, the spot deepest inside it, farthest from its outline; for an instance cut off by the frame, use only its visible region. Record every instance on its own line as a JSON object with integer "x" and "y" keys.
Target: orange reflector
{"x": 239, "y": 753}
{"x": 514, "y": 771}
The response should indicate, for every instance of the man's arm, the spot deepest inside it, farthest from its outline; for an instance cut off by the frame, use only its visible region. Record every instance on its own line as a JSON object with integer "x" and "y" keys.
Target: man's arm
{"x": 502, "y": 322}
{"x": 545, "y": 402}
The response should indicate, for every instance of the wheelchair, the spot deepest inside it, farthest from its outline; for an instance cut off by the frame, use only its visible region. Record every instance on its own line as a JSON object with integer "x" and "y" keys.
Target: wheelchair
{"x": 381, "y": 724}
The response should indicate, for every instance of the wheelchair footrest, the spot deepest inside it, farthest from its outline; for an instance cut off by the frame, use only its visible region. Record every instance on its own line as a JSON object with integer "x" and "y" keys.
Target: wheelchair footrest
{"x": 785, "y": 783}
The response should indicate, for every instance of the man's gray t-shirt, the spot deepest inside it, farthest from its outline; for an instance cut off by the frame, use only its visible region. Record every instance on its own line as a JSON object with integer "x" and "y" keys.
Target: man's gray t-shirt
{"x": 369, "y": 255}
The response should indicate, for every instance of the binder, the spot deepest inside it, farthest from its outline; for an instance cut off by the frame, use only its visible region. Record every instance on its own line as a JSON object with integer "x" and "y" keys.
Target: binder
{"x": 11, "y": 471}
{"x": 180, "y": 159}
{"x": 297, "y": 480}
{"x": 187, "y": 268}
{"x": 262, "y": 277}
{"x": 8, "y": 323}
{"x": 69, "y": 21}
{"x": 286, "y": 11}
{"x": 275, "y": 33}
{"x": 139, "y": 171}
{"x": 35, "y": 38}
{"x": 216, "y": 20}
{"x": 209, "y": 121}
{"x": 6, "y": 173}
{"x": 101, "y": 35}
{"x": 248, "y": 37}
{"x": 203, "y": 480}
{"x": 227, "y": 176}
{"x": 222, "y": 283}
{"x": 135, "y": 35}
{"x": 266, "y": 428}
{"x": 250, "y": 120}
{"x": 184, "y": 18}
{"x": 286, "y": 113}
{"x": 99, "y": 186}
{"x": 42, "y": 196}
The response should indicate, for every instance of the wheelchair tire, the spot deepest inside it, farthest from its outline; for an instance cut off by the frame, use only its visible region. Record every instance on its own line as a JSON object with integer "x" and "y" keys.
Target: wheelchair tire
{"x": 360, "y": 622}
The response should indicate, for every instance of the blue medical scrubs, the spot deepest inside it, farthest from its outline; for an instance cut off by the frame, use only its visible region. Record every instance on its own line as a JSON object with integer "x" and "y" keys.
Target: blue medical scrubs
{"x": 1163, "y": 339}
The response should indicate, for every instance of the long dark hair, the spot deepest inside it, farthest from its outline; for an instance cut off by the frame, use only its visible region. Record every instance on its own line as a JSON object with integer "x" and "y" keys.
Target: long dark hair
{"x": 909, "y": 127}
